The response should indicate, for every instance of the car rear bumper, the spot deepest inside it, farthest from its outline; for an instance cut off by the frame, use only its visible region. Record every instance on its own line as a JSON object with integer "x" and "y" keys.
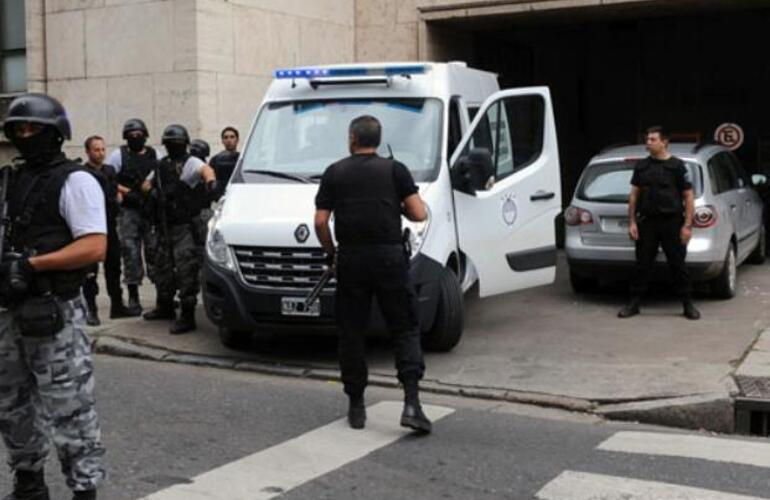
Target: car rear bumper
{"x": 616, "y": 270}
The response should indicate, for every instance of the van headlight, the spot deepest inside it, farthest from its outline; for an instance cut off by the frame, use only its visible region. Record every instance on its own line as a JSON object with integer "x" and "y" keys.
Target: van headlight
{"x": 418, "y": 232}
{"x": 216, "y": 248}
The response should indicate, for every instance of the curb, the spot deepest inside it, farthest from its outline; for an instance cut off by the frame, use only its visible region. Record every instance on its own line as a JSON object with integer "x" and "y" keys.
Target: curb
{"x": 712, "y": 412}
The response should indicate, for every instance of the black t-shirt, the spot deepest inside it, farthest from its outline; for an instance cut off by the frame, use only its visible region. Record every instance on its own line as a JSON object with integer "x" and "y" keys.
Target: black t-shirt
{"x": 107, "y": 179}
{"x": 365, "y": 193}
{"x": 223, "y": 164}
{"x": 661, "y": 184}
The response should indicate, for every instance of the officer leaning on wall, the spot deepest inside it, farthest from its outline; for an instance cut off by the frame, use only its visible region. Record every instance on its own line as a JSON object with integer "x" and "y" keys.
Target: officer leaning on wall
{"x": 57, "y": 230}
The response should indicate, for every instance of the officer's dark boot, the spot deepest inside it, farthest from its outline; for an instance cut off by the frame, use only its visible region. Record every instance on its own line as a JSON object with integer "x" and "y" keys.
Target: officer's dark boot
{"x": 134, "y": 306}
{"x": 413, "y": 416}
{"x": 185, "y": 322}
{"x": 92, "y": 313}
{"x": 356, "y": 412}
{"x": 164, "y": 309}
{"x": 29, "y": 486}
{"x": 84, "y": 495}
{"x": 119, "y": 310}
{"x": 631, "y": 309}
{"x": 690, "y": 311}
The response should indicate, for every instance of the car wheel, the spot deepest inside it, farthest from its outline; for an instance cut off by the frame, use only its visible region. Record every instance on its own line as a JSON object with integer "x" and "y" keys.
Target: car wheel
{"x": 725, "y": 284}
{"x": 234, "y": 339}
{"x": 758, "y": 255}
{"x": 448, "y": 325}
{"x": 581, "y": 284}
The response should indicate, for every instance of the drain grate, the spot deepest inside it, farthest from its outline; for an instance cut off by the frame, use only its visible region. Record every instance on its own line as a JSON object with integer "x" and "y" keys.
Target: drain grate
{"x": 752, "y": 417}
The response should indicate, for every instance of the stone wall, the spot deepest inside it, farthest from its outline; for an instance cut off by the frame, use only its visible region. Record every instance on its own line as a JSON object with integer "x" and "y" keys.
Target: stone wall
{"x": 202, "y": 63}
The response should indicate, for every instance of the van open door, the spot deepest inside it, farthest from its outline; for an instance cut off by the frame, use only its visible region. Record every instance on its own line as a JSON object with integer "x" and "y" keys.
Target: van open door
{"x": 507, "y": 189}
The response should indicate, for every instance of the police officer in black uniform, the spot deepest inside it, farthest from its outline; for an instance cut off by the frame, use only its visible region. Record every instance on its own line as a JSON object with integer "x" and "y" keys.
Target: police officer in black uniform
{"x": 105, "y": 174}
{"x": 368, "y": 194}
{"x": 224, "y": 162}
{"x": 660, "y": 210}
{"x": 57, "y": 230}
{"x": 200, "y": 149}
{"x": 133, "y": 162}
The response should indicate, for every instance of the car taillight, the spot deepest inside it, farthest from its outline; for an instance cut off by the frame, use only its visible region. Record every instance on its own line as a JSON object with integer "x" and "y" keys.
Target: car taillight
{"x": 705, "y": 216}
{"x": 575, "y": 216}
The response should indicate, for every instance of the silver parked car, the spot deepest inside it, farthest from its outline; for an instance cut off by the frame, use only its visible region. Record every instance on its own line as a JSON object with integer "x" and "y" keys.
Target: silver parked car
{"x": 727, "y": 226}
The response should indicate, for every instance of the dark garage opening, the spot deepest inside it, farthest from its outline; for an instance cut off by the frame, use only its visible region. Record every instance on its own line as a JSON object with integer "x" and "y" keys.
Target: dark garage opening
{"x": 612, "y": 74}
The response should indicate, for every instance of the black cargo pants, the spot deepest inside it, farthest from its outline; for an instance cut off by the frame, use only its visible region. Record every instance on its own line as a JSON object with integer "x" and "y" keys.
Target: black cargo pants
{"x": 380, "y": 271}
{"x": 111, "y": 269}
{"x": 661, "y": 231}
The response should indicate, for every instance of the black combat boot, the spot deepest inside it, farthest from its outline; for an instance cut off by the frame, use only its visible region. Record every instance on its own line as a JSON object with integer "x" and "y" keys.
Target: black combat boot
{"x": 84, "y": 495}
{"x": 134, "y": 306}
{"x": 186, "y": 321}
{"x": 413, "y": 416}
{"x": 29, "y": 486}
{"x": 92, "y": 314}
{"x": 356, "y": 412}
{"x": 690, "y": 311}
{"x": 164, "y": 309}
{"x": 119, "y": 310}
{"x": 631, "y": 309}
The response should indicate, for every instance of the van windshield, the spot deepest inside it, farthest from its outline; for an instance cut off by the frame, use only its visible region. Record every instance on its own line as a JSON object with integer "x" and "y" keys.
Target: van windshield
{"x": 302, "y": 138}
{"x": 611, "y": 182}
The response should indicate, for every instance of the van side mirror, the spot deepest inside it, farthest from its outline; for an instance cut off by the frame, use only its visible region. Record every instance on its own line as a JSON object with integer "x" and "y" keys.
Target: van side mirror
{"x": 474, "y": 172}
{"x": 758, "y": 180}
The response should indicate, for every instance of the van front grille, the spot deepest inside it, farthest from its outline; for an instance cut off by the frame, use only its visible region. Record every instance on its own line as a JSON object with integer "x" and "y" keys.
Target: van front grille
{"x": 278, "y": 268}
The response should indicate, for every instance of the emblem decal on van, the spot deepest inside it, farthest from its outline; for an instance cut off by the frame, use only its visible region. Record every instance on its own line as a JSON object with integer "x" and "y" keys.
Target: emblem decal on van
{"x": 510, "y": 210}
{"x": 302, "y": 233}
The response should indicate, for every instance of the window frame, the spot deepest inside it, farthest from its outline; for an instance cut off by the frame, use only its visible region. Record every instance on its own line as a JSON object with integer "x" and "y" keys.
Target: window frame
{"x": 11, "y": 52}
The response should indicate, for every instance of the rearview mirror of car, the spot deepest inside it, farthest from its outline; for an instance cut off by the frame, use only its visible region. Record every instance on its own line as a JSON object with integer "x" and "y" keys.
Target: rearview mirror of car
{"x": 758, "y": 180}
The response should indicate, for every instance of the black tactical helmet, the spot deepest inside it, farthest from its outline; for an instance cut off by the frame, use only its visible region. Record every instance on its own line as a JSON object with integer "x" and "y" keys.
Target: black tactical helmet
{"x": 200, "y": 148}
{"x": 175, "y": 133}
{"x": 38, "y": 108}
{"x": 132, "y": 125}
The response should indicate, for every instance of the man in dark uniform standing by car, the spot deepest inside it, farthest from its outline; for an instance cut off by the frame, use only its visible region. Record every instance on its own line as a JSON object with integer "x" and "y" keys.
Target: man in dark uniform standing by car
{"x": 368, "y": 195}
{"x": 57, "y": 229}
{"x": 224, "y": 162}
{"x": 105, "y": 174}
{"x": 133, "y": 162}
{"x": 660, "y": 211}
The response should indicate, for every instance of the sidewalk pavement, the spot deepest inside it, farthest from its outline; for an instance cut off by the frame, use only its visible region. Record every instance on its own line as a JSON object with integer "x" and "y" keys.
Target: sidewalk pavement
{"x": 546, "y": 346}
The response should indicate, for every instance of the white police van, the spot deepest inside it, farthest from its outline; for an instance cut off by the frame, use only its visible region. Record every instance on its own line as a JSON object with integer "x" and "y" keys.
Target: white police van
{"x": 486, "y": 162}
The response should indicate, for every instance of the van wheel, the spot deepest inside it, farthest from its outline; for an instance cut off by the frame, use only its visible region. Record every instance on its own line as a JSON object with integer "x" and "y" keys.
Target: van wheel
{"x": 448, "y": 325}
{"x": 724, "y": 286}
{"x": 581, "y": 284}
{"x": 234, "y": 339}
{"x": 758, "y": 255}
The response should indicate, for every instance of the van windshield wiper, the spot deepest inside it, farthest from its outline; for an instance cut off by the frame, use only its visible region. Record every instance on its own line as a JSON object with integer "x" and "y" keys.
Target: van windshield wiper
{"x": 282, "y": 175}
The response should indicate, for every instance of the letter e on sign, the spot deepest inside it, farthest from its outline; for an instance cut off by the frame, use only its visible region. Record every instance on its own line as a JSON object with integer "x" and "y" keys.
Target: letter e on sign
{"x": 729, "y": 135}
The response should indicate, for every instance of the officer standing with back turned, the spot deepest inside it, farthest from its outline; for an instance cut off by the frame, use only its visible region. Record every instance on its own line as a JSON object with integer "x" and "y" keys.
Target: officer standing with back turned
{"x": 367, "y": 195}
{"x": 57, "y": 230}
{"x": 660, "y": 211}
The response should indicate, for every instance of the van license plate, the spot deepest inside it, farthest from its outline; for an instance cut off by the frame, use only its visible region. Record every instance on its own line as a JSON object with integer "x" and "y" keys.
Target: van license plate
{"x": 295, "y": 306}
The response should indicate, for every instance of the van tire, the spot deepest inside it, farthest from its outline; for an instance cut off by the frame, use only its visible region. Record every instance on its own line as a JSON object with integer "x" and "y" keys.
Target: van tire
{"x": 758, "y": 255}
{"x": 448, "y": 325}
{"x": 581, "y": 284}
{"x": 234, "y": 339}
{"x": 723, "y": 287}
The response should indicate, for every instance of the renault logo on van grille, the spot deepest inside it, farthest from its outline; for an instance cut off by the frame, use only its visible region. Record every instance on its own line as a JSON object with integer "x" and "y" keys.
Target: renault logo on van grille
{"x": 302, "y": 233}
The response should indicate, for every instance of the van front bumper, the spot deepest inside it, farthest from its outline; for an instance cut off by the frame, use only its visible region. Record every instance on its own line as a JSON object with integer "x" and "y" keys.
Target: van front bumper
{"x": 232, "y": 304}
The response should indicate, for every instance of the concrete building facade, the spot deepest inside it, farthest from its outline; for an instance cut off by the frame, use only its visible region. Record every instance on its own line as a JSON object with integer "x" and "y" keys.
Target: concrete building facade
{"x": 614, "y": 66}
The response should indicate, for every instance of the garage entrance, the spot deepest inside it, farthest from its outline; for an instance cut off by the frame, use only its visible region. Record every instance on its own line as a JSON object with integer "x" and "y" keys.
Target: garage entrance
{"x": 613, "y": 73}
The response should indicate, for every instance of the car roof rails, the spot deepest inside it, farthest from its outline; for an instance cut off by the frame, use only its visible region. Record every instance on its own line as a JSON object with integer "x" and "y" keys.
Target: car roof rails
{"x": 614, "y": 146}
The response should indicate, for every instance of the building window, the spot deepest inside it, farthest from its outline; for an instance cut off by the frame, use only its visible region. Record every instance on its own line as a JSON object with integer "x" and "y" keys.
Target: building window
{"x": 13, "y": 47}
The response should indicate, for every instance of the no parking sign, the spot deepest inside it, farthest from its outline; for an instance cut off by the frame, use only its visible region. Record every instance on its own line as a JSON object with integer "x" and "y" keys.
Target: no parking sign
{"x": 729, "y": 135}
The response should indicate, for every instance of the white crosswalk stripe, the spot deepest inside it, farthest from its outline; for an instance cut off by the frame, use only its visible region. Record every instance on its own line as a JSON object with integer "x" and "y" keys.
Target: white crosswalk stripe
{"x": 584, "y": 486}
{"x": 274, "y": 471}
{"x": 573, "y": 485}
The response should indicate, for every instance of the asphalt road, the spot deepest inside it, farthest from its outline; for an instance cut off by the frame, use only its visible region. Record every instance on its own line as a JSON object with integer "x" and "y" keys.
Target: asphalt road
{"x": 172, "y": 426}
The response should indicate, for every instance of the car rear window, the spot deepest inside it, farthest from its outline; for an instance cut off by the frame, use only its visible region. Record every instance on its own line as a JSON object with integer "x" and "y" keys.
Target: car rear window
{"x": 611, "y": 182}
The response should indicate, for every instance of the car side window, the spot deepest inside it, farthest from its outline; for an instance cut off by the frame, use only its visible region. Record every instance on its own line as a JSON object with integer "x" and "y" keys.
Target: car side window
{"x": 743, "y": 178}
{"x": 455, "y": 127}
{"x": 722, "y": 173}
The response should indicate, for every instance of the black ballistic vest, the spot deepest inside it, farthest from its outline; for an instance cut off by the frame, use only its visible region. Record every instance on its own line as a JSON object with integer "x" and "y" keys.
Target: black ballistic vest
{"x": 659, "y": 193}
{"x": 182, "y": 201}
{"x": 134, "y": 170}
{"x": 36, "y": 225}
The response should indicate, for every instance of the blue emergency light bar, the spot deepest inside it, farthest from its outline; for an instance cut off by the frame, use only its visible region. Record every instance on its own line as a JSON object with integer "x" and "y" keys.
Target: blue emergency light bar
{"x": 348, "y": 72}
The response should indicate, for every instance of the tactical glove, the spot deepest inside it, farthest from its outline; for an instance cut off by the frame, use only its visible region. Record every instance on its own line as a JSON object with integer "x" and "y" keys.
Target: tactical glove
{"x": 17, "y": 275}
